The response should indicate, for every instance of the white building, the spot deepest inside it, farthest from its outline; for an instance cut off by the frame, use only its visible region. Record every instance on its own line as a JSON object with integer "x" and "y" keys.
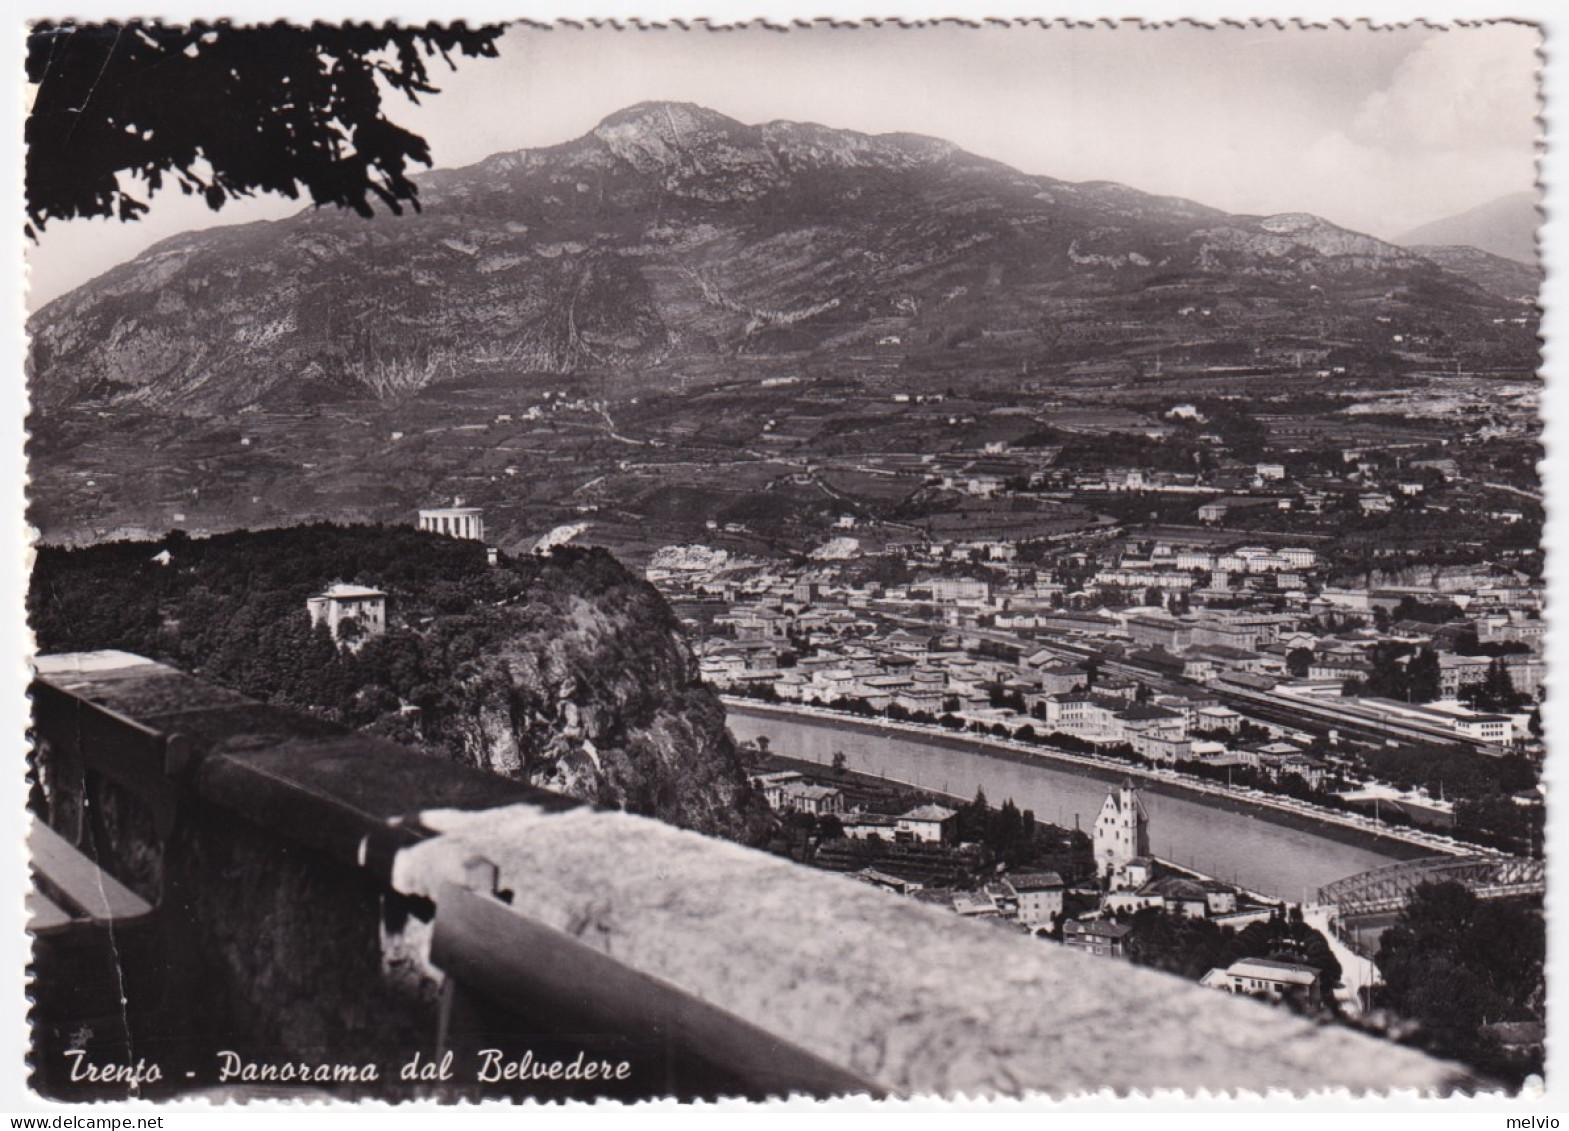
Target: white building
{"x": 960, "y": 590}
{"x": 342, "y": 603}
{"x": 930, "y": 824}
{"x": 818, "y": 800}
{"x": 1217, "y": 718}
{"x": 1121, "y": 831}
{"x": 1267, "y": 978}
{"x": 1496, "y": 729}
{"x": 455, "y": 522}
{"x": 1039, "y": 894}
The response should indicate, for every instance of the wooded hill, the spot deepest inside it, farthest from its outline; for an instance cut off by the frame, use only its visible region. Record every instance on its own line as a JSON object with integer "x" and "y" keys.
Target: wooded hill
{"x": 562, "y": 670}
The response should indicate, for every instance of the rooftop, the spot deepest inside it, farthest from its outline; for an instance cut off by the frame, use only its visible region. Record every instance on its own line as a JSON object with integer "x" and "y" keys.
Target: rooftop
{"x": 928, "y": 813}
{"x": 1175, "y": 887}
{"x": 1097, "y": 928}
{"x": 344, "y": 592}
{"x": 1273, "y": 969}
{"x": 1143, "y": 713}
{"x": 1034, "y": 881}
{"x": 812, "y": 792}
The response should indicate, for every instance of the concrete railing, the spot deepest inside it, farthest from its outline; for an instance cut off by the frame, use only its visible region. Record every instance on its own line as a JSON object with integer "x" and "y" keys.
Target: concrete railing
{"x": 324, "y": 898}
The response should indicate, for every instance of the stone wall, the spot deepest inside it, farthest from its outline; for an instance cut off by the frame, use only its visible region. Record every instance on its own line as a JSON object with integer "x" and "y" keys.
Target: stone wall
{"x": 330, "y": 899}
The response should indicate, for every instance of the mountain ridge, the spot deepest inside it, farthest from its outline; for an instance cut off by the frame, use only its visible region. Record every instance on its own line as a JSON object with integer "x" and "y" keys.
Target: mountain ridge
{"x": 671, "y": 237}
{"x": 1505, "y": 226}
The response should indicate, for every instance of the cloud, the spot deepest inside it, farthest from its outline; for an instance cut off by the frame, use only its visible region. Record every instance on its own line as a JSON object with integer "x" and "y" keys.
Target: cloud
{"x": 1386, "y": 192}
{"x": 1466, "y": 88}
{"x": 1453, "y": 126}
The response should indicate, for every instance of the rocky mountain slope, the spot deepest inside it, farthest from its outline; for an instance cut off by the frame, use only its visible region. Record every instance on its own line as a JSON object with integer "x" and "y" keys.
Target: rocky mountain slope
{"x": 1505, "y": 226}
{"x": 564, "y": 671}
{"x": 671, "y": 238}
{"x": 1507, "y": 278}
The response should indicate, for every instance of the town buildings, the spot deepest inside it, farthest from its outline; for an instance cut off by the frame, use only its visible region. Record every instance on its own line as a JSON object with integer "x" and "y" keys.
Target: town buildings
{"x": 789, "y": 791}
{"x": 1234, "y": 642}
{"x": 1015, "y": 650}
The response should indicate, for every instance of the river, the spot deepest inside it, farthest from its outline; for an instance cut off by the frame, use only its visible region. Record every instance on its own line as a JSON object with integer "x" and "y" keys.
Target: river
{"x": 1282, "y": 856}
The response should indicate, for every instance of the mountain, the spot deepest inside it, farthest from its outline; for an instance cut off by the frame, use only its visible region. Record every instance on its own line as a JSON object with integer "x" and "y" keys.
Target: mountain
{"x": 1506, "y": 226}
{"x": 1507, "y": 278}
{"x": 672, "y": 243}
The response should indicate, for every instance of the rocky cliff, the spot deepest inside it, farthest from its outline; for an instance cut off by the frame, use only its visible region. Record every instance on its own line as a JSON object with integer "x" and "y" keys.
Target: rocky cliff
{"x": 587, "y": 687}
{"x": 565, "y": 671}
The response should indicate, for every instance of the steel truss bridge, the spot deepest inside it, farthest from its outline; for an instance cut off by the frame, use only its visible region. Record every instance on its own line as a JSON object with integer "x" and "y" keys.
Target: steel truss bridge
{"x": 1388, "y": 888}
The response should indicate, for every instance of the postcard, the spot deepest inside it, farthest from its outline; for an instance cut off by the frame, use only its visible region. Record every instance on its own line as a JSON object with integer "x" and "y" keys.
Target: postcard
{"x": 576, "y": 560}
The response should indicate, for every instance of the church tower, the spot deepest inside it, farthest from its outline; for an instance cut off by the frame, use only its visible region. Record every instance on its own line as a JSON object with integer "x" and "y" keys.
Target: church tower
{"x": 1122, "y": 831}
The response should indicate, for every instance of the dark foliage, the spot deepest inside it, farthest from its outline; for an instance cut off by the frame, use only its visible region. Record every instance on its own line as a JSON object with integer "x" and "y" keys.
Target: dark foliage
{"x": 227, "y": 112}
{"x": 1423, "y": 612}
{"x": 1455, "y": 963}
{"x": 1191, "y": 947}
{"x": 515, "y": 669}
{"x": 1498, "y": 820}
{"x": 1401, "y": 673}
{"x": 1180, "y": 945}
{"x": 221, "y": 601}
{"x": 1467, "y": 644}
{"x": 1496, "y": 691}
{"x": 1454, "y": 771}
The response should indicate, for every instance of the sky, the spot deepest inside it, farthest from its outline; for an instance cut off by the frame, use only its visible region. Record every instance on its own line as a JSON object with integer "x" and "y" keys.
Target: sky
{"x": 1375, "y": 130}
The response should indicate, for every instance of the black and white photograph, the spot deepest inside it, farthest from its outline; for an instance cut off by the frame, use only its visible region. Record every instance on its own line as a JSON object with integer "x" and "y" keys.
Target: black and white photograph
{"x": 581, "y": 561}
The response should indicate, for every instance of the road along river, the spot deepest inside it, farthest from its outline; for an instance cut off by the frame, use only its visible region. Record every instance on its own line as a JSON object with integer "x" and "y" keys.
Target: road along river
{"x": 1283, "y": 855}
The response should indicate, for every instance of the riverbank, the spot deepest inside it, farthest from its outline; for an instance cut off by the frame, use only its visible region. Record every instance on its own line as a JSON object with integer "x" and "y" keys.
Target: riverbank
{"x": 871, "y": 781}
{"x": 1347, "y": 828}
